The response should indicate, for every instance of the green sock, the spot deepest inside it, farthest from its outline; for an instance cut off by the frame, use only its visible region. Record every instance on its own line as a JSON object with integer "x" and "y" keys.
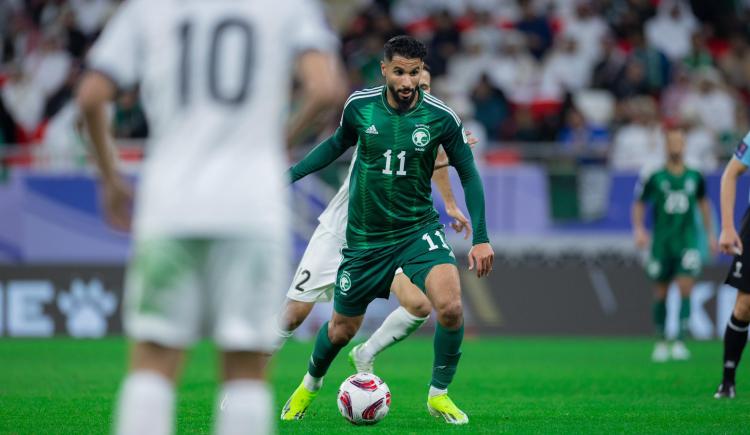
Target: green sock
{"x": 684, "y": 318}
{"x": 447, "y": 346}
{"x": 659, "y": 309}
{"x": 323, "y": 354}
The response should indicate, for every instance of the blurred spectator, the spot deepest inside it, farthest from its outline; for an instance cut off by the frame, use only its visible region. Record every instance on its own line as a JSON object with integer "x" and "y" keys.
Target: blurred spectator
{"x": 566, "y": 69}
{"x": 735, "y": 64}
{"x": 608, "y": 71}
{"x": 580, "y": 137}
{"x": 364, "y": 63}
{"x": 587, "y": 29}
{"x": 673, "y": 97}
{"x": 671, "y": 29}
{"x": 48, "y": 66}
{"x": 655, "y": 65}
{"x": 640, "y": 142}
{"x": 700, "y": 143}
{"x": 521, "y": 127}
{"x": 443, "y": 44}
{"x": 466, "y": 67}
{"x": 699, "y": 56}
{"x": 514, "y": 70}
{"x": 484, "y": 33}
{"x": 77, "y": 42}
{"x": 627, "y": 16}
{"x": 491, "y": 108}
{"x": 713, "y": 105}
{"x": 20, "y": 39}
{"x": 24, "y": 101}
{"x": 633, "y": 81}
{"x": 536, "y": 28}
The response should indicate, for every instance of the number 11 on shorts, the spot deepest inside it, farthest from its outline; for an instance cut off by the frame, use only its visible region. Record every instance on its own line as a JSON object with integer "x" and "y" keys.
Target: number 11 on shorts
{"x": 426, "y": 237}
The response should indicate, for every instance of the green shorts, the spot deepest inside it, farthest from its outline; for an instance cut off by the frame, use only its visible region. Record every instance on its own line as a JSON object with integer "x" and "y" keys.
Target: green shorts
{"x": 669, "y": 260}
{"x": 366, "y": 274}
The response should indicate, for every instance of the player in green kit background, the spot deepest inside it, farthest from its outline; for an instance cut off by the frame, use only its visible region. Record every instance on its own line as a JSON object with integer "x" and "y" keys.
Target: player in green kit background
{"x": 392, "y": 222}
{"x": 676, "y": 192}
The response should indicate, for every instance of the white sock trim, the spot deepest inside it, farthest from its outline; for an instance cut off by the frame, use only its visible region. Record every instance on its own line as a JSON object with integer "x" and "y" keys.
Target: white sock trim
{"x": 434, "y": 391}
{"x": 735, "y": 327}
{"x": 312, "y": 383}
{"x": 411, "y": 316}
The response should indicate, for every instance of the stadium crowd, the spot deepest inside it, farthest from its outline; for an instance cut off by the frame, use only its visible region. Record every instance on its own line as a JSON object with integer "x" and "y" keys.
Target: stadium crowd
{"x": 595, "y": 78}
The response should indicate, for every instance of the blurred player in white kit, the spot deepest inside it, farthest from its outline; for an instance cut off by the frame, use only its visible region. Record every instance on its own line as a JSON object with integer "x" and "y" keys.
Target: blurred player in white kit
{"x": 211, "y": 217}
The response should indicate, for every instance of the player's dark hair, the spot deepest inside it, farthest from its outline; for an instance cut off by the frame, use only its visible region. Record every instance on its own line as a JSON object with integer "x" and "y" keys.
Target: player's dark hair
{"x": 404, "y": 46}
{"x": 426, "y": 67}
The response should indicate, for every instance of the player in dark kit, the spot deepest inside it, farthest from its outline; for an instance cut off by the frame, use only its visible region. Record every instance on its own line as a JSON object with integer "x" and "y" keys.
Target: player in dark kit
{"x": 735, "y": 336}
{"x": 392, "y": 222}
{"x": 675, "y": 191}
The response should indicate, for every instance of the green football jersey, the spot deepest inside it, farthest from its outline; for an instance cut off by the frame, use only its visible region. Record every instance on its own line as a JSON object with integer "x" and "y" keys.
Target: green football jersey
{"x": 675, "y": 199}
{"x": 390, "y": 184}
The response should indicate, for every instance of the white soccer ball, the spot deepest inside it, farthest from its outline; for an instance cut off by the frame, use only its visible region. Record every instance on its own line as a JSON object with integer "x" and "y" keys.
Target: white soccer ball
{"x": 364, "y": 399}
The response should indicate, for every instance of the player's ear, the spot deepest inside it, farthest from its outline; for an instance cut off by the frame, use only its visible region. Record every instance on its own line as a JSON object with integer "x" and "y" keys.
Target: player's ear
{"x": 382, "y": 68}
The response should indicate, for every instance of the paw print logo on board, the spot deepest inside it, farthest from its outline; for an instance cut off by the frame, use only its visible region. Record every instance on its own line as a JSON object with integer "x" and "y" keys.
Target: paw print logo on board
{"x": 87, "y": 308}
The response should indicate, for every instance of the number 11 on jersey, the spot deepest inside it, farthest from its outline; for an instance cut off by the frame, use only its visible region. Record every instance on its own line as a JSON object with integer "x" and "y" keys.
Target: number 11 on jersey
{"x": 401, "y": 165}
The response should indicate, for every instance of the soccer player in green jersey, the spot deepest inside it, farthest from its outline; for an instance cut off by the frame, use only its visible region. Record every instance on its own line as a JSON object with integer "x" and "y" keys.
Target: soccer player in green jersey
{"x": 675, "y": 191}
{"x": 392, "y": 222}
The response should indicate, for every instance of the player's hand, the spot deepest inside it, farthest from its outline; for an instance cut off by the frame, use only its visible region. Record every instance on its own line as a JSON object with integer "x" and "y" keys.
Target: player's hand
{"x": 641, "y": 238}
{"x": 713, "y": 244}
{"x": 117, "y": 197}
{"x": 729, "y": 242}
{"x": 471, "y": 140}
{"x": 481, "y": 258}
{"x": 460, "y": 222}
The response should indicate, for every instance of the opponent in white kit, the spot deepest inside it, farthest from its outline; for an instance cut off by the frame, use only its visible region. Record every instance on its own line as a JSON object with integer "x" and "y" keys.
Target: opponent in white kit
{"x": 315, "y": 278}
{"x": 211, "y": 223}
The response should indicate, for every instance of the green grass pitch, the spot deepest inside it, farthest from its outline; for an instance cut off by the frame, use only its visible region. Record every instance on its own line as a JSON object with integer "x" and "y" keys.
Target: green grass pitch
{"x": 506, "y": 385}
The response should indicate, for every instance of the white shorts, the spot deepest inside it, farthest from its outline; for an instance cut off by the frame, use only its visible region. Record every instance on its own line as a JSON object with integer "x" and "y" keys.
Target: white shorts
{"x": 179, "y": 290}
{"x": 315, "y": 277}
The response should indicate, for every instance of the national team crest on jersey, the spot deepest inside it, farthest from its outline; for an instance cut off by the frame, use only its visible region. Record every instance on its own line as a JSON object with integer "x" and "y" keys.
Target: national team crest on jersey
{"x": 345, "y": 281}
{"x": 420, "y": 137}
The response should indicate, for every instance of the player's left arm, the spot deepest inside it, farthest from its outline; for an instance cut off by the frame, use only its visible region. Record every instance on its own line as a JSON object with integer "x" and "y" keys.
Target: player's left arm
{"x": 459, "y": 153}
{"x": 442, "y": 181}
{"x": 704, "y": 203}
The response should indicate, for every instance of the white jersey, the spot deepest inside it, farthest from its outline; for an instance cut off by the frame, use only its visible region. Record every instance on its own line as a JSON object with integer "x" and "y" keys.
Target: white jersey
{"x": 336, "y": 214}
{"x": 214, "y": 80}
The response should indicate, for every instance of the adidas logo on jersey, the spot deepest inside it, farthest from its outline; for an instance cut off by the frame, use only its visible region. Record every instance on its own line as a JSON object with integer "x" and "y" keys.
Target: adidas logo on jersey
{"x": 371, "y": 130}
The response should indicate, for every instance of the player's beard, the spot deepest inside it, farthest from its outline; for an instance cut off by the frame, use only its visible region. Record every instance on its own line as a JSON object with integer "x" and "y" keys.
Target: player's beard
{"x": 675, "y": 158}
{"x": 403, "y": 104}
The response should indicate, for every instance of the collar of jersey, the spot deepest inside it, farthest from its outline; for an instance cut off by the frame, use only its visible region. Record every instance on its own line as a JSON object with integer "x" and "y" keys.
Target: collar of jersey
{"x": 391, "y": 110}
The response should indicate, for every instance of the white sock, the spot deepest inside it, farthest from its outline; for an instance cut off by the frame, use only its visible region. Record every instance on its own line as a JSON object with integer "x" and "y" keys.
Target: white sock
{"x": 312, "y": 383}
{"x": 434, "y": 391}
{"x": 146, "y": 405}
{"x": 397, "y": 326}
{"x": 245, "y": 406}
{"x": 283, "y": 334}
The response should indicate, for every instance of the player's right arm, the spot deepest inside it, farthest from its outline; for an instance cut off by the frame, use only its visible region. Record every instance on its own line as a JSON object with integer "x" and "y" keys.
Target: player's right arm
{"x": 638, "y": 211}
{"x": 729, "y": 240}
{"x": 114, "y": 61}
{"x": 329, "y": 150}
{"x": 322, "y": 80}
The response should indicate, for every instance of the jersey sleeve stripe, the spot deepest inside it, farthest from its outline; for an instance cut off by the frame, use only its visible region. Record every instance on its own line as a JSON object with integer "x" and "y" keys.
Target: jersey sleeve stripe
{"x": 445, "y": 108}
{"x": 356, "y": 97}
{"x": 363, "y": 92}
